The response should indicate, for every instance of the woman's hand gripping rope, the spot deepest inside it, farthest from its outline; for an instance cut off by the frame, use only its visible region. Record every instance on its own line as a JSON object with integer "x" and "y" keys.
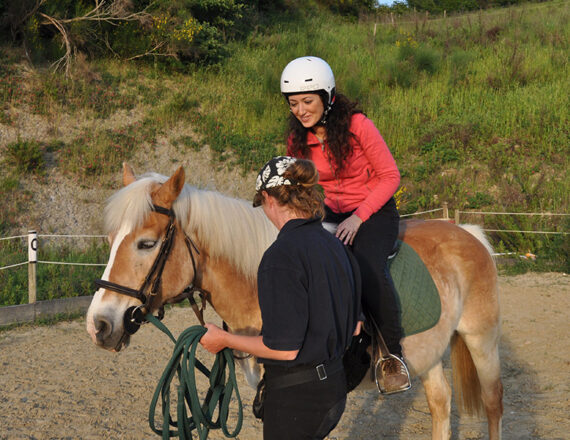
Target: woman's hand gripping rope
{"x": 219, "y": 394}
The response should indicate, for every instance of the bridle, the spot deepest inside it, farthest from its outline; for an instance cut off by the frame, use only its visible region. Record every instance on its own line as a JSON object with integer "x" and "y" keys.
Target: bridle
{"x": 134, "y": 316}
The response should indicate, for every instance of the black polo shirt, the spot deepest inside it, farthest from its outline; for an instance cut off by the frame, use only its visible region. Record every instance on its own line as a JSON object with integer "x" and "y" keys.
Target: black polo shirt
{"x": 307, "y": 294}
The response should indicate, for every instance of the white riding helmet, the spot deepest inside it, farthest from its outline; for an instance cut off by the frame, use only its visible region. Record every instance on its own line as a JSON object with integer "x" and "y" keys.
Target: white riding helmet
{"x": 306, "y": 75}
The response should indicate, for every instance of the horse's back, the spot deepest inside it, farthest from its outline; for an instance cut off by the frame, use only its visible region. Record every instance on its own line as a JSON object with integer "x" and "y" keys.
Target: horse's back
{"x": 440, "y": 243}
{"x": 466, "y": 278}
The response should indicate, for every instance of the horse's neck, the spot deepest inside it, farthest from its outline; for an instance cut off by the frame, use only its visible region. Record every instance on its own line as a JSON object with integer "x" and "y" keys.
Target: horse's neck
{"x": 229, "y": 254}
{"x": 233, "y": 296}
{"x": 230, "y": 228}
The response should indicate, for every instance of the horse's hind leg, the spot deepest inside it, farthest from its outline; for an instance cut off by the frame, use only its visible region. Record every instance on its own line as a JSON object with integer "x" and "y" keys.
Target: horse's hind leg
{"x": 484, "y": 350}
{"x": 438, "y": 394}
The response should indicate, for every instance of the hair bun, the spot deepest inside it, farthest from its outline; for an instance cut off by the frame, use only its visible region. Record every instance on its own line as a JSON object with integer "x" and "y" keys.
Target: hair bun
{"x": 304, "y": 172}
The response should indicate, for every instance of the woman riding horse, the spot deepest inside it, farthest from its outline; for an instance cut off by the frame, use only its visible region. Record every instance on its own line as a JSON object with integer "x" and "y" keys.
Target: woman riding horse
{"x": 359, "y": 177}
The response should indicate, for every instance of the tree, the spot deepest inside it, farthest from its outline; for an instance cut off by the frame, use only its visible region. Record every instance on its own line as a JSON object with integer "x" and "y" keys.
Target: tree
{"x": 184, "y": 30}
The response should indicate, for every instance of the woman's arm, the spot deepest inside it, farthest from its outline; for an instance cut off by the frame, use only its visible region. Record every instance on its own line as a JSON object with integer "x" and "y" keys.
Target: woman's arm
{"x": 216, "y": 339}
{"x": 381, "y": 161}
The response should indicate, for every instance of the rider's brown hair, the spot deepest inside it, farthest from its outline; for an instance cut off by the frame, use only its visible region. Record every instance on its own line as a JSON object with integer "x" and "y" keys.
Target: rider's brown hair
{"x": 337, "y": 125}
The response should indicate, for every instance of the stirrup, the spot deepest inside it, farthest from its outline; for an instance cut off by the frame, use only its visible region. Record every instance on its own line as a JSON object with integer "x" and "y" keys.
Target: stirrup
{"x": 379, "y": 378}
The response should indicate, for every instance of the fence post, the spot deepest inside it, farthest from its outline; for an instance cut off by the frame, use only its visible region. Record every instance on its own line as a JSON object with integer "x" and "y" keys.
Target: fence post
{"x": 457, "y": 216}
{"x": 445, "y": 211}
{"x": 32, "y": 265}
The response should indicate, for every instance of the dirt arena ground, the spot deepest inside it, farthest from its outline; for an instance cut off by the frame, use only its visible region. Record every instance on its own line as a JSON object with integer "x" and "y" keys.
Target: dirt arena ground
{"x": 55, "y": 384}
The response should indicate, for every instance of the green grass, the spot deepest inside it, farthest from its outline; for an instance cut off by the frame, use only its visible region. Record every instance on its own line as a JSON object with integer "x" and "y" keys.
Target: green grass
{"x": 472, "y": 104}
{"x": 474, "y": 108}
{"x": 71, "y": 280}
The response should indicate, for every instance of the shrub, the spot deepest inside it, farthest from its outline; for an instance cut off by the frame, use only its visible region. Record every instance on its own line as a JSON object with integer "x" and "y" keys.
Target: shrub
{"x": 412, "y": 59}
{"x": 401, "y": 74}
{"x": 25, "y": 157}
{"x": 100, "y": 153}
{"x": 479, "y": 200}
{"x": 459, "y": 63}
{"x": 426, "y": 59}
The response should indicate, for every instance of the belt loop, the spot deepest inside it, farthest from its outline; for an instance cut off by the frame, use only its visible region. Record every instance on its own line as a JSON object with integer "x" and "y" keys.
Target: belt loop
{"x": 322, "y": 373}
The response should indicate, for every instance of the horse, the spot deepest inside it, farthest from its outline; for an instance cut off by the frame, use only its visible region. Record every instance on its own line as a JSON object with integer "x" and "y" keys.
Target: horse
{"x": 215, "y": 244}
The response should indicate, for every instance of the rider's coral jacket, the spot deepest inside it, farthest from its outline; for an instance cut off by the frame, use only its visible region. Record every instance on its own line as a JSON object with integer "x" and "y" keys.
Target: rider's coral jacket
{"x": 369, "y": 177}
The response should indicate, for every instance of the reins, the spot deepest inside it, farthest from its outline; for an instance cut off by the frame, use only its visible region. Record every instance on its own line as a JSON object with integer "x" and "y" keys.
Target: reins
{"x": 218, "y": 396}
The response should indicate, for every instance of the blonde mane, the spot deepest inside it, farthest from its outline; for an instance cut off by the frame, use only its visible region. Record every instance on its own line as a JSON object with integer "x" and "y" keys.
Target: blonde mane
{"x": 229, "y": 228}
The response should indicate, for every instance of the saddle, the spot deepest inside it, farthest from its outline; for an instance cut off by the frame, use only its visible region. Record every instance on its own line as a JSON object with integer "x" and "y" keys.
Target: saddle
{"x": 419, "y": 302}
{"x": 417, "y": 293}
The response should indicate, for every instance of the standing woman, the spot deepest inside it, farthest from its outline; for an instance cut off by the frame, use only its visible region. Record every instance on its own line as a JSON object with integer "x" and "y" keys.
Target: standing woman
{"x": 359, "y": 177}
{"x": 310, "y": 306}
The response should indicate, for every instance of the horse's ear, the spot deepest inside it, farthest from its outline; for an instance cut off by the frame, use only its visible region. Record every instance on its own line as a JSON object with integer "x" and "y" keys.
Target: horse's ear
{"x": 128, "y": 174}
{"x": 170, "y": 190}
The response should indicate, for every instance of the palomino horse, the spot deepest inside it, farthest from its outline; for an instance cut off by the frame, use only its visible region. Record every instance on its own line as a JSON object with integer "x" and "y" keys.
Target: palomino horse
{"x": 216, "y": 243}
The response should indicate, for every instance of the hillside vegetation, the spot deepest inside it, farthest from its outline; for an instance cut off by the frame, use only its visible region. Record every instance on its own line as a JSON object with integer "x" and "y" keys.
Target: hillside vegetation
{"x": 474, "y": 108}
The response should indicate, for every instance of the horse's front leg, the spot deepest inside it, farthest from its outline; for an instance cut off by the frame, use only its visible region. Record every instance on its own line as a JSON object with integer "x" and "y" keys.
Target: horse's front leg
{"x": 438, "y": 394}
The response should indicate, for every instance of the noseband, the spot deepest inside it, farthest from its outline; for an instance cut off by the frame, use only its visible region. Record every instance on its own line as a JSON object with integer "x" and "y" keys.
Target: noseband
{"x": 135, "y": 316}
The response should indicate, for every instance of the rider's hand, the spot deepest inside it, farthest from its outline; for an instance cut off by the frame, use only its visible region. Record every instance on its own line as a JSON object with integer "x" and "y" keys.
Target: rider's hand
{"x": 347, "y": 230}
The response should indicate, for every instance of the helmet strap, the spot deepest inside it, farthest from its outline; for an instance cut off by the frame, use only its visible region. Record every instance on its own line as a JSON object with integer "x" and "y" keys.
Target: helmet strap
{"x": 327, "y": 110}
{"x": 323, "y": 120}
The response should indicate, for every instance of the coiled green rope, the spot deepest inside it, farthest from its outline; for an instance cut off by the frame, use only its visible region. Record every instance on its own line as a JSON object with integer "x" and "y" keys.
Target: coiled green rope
{"x": 219, "y": 395}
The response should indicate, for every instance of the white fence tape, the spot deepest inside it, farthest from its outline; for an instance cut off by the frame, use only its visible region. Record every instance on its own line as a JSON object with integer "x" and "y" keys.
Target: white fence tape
{"x": 71, "y": 264}
{"x": 422, "y": 212}
{"x": 526, "y": 232}
{"x": 11, "y": 238}
{"x": 13, "y": 265}
{"x": 33, "y": 241}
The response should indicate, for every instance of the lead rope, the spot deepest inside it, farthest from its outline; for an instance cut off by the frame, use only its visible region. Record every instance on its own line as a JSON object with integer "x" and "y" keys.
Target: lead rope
{"x": 219, "y": 395}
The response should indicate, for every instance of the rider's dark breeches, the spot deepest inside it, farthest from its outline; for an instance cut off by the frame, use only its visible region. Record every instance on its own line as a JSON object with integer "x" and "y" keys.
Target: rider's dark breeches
{"x": 372, "y": 245}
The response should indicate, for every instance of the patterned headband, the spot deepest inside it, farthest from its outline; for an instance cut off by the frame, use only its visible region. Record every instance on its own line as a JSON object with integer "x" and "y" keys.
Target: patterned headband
{"x": 271, "y": 175}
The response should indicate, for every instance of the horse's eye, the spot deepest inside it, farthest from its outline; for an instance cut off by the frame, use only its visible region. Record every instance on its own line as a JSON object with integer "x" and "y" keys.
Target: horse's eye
{"x": 146, "y": 244}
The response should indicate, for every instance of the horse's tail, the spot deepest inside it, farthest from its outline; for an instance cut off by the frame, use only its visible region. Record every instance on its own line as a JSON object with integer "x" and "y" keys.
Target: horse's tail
{"x": 466, "y": 385}
{"x": 479, "y": 234}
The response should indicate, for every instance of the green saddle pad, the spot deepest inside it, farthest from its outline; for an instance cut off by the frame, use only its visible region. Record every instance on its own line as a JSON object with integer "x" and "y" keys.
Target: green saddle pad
{"x": 417, "y": 294}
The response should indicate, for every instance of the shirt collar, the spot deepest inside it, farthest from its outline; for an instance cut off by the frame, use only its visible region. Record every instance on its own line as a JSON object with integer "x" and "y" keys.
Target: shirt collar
{"x": 312, "y": 139}
{"x": 296, "y": 223}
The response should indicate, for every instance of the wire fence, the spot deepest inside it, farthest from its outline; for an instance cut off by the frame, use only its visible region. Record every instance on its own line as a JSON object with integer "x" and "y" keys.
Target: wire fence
{"x": 13, "y": 237}
{"x": 424, "y": 213}
{"x": 414, "y": 17}
{"x": 33, "y": 240}
{"x": 514, "y": 214}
